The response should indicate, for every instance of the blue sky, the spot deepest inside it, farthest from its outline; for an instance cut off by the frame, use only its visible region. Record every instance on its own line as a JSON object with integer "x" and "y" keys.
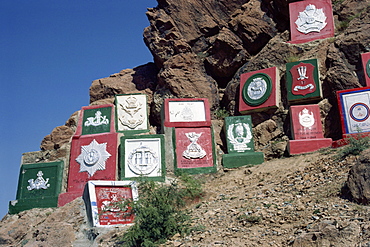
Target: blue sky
{"x": 50, "y": 53}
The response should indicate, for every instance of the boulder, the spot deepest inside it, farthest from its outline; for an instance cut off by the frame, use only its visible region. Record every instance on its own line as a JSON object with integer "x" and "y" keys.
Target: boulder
{"x": 357, "y": 186}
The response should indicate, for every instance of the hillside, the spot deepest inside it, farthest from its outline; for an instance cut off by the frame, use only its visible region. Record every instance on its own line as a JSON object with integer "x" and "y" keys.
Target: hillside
{"x": 200, "y": 49}
{"x": 292, "y": 201}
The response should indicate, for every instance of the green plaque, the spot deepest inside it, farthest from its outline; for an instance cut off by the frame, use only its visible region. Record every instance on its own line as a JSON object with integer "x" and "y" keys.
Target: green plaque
{"x": 97, "y": 120}
{"x": 303, "y": 84}
{"x": 38, "y": 187}
{"x": 257, "y": 89}
{"x": 239, "y": 134}
{"x": 368, "y": 68}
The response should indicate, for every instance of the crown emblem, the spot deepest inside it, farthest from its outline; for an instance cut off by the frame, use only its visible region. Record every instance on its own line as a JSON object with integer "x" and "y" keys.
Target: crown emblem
{"x": 131, "y": 103}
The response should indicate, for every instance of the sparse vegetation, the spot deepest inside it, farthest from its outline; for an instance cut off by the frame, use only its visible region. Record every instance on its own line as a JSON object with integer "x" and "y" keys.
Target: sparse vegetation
{"x": 159, "y": 212}
{"x": 221, "y": 113}
{"x": 355, "y": 147}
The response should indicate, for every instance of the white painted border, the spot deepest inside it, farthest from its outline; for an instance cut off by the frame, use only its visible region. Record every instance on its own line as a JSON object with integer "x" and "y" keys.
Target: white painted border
{"x": 93, "y": 201}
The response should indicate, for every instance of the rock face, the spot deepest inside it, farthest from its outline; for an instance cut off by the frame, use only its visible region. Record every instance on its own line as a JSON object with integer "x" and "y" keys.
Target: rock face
{"x": 358, "y": 183}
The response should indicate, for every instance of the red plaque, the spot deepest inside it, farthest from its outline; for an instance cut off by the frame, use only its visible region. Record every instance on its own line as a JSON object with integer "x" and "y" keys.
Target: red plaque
{"x": 366, "y": 65}
{"x": 110, "y": 202}
{"x": 93, "y": 157}
{"x": 259, "y": 90}
{"x": 194, "y": 147}
{"x": 306, "y": 122}
{"x": 311, "y": 20}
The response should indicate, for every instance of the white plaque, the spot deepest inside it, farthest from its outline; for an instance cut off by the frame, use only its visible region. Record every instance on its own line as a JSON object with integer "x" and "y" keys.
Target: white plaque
{"x": 186, "y": 111}
{"x": 356, "y": 110}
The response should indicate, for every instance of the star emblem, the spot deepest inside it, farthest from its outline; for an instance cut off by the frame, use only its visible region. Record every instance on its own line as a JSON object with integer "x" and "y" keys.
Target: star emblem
{"x": 93, "y": 157}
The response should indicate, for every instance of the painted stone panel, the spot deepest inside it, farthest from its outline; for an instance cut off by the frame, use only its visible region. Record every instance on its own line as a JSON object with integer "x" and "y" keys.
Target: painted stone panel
{"x": 39, "y": 186}
{"x": 132, "y": 113}
{"x": 92, "y": 157}
{"x": 259, "y": 90}
{"x": 354, "y": 105}
{"x": 303, "y": 83}
{"x": 366, "y": 66}
{"x": 187, "y": 112}
{"x": 311, "y": 20}
{"x": 306, "y": 122}
{"x": 239, "y": 134}
{"x": 194, "y": 150}
{"x": 96, "y": 119}
{"x": 106, "y": 200}
{"x": 143, "y": 156}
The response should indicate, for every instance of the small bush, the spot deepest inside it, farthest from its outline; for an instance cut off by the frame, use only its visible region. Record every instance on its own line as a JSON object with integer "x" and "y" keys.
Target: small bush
{"x": 159, "y": 212}
{"x": 355, "y": 146}
{"x": 221, "y": 113}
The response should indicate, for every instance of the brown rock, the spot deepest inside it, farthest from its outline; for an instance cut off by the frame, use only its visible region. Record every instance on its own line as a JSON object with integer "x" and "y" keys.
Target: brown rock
{"x": 142, "y": 79}
{"x": 184, "y": 76}
{"x": 58, "y": 137}
{"x": 357, "y": 186}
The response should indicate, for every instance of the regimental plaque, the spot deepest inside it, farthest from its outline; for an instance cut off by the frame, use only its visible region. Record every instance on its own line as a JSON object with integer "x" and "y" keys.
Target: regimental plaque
{"x": 132, "y": 113}
{"x": 354, "y": 105}
{"x": 311, "y": 20}
{"x": 259, "y": 90}
{"x": 38, "y": 187}
{"x": 366, "y": 66}
{"x": 306, "y": 122}
{"x": 110, "y": 202}
{"x": 96, "y": 119}
{"x": 239, "y": 134}
{"x": 187, "y": 112}
{"x": 194, "y": 150}
{"x": 303, "y": 82}
{"x": 143, "y": 157}
{"x": 93, "y": 157}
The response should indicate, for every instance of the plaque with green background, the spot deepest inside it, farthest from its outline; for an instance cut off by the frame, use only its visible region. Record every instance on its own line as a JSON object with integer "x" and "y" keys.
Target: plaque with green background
{"x": 96, "y": 120}
{"x": 240, "y": 144}
{"x": 39, "y": 185}
{"x": 303, "y": 83}
{"x": 257, "y": 89}
{"x": 239, "y": 136}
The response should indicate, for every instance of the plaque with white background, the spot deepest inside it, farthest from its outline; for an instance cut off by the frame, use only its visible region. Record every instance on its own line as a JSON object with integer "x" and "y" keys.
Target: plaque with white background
{"x": 132, "y": 114}
{"x": 187, "y": 113}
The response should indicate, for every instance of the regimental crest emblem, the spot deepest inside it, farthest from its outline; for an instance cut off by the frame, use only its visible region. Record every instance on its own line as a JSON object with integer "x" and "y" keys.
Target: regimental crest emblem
{"x": 132, "y": 116}
{"x": 359, "y": 112}
{"x": 239, "y": 135}
{"x": 93, "y": 157}
{"x": 97, "y": 120}
{"x": 306, "y": 119}
{"x": 38, "y": 183}
{"x": 303, "y": 82}
{"x": 257, "y": 89}
{"x": 311, "y": 20}
{"x": 194, "y": 150}
{"x": 143, "y": 160}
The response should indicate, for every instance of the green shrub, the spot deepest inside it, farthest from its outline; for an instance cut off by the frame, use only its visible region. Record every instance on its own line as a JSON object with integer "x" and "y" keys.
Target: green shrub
{"x": 355, "y": 146}
{"x": 221, "y": 113}
{"x": 159, "y": 212}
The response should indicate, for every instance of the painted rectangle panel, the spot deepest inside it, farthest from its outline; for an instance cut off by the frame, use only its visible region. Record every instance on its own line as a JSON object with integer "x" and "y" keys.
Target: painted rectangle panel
{"x": 187, "y": 112}
{"x": 110, "y": 202}
{"x": 259, "y": 90}
{"x": 311, "y": 20}
{"x": 132, "y": 113}
{"x": 194, "y": 148}
{"x": 354, "y": 105}
{"x": 93, "y": 157}
{"x": 96, "y": 119}
{"x": 239, "y": 135}
{"x": 143, "y": 156}
{"x": 306, "y": 122}
{"x": 365, "y": 57}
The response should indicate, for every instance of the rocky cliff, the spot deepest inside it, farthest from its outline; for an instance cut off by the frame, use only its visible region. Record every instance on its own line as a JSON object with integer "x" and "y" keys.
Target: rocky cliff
{"x": 201, "y": 47}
